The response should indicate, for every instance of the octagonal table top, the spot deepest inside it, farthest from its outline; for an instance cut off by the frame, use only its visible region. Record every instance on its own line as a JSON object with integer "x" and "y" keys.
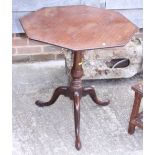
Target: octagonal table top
{"x": 78, "y": 27}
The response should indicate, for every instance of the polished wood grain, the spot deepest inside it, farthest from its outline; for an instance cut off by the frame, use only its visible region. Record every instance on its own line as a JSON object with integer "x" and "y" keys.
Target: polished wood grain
{"x": 79, "y": 27}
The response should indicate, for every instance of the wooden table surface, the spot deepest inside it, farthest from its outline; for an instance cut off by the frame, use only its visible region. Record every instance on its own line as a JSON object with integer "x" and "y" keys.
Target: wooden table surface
{"x": 78, "y": 27}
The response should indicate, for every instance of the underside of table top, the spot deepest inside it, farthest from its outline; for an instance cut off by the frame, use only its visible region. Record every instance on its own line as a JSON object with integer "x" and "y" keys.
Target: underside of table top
{"x": 78, "y": 27}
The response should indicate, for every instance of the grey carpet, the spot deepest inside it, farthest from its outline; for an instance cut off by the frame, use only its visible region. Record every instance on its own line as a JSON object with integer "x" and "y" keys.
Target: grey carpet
{"x": 50, "y": 130}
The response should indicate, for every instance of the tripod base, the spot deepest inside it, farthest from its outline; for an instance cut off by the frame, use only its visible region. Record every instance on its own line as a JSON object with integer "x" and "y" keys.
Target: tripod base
{"x": 75, "y": 92}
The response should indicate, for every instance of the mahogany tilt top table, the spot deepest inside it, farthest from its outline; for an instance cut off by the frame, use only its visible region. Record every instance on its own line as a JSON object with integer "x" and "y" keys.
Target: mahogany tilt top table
{"x": 78, "y": 28}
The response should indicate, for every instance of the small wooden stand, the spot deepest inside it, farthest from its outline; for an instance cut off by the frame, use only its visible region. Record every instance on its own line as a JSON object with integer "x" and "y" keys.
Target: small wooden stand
{"x": 136, "y": 118}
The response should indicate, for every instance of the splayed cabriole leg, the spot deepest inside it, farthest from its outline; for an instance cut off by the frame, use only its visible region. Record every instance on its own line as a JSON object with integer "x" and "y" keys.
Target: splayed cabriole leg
{"x": 91, "y": 92}
{"x": 77, "y": 120}
{"x": 63, "y": 90}
{"x": 75, "y": 91}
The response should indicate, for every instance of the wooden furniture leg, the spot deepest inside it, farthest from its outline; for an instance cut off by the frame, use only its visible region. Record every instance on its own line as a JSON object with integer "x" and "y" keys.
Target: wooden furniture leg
{"x": 77, "y": 120}
{"x": 91, "y": 92}
{"x": 63, "y": 90}
{"x": 136, "y": 117}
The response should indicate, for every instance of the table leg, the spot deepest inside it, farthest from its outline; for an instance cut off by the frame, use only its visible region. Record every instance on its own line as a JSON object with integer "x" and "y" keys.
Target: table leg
{"x": 134, "y": 113}
{"x": 77, "y": 120}
{"x": 91, "y": 92}
{"x": 63, "y": 90}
